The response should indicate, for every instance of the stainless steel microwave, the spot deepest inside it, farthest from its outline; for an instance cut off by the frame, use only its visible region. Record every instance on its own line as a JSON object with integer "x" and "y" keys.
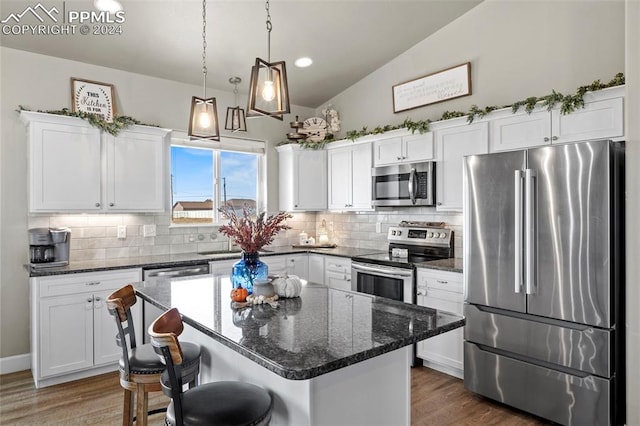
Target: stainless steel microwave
{"x": 404, "y": 185}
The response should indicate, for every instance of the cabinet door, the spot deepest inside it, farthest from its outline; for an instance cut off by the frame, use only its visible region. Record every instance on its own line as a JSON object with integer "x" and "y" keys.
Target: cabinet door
{"x": 340, "y": 178}
{"x": 65, "y": 168}
{"x": 453, "y": 144}
{"x": 387, "y": 151}
{"x": 298, "y": 264}
{"x": 316, "y": 268}
{"x": 310, "y": 180}
{"x": 66, "y": 334}
{"x": 597, "y": 120}
{"x": 105, "y": 349}
{"x": 517, "y": 131}
{"x": 418, "y": 147}
{"x": 361, "y": 177}
{"x": 277, "y": 264}
{"x": 136, "y": 168}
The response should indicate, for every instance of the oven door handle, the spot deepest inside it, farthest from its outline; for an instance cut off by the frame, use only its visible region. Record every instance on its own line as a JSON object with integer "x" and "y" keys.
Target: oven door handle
{"x": 383, "y": 272}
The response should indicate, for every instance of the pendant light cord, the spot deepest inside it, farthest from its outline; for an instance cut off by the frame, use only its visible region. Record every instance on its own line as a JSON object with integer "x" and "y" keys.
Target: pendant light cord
{"x": 269, "y": 27}
{"x": 204, "y": 48}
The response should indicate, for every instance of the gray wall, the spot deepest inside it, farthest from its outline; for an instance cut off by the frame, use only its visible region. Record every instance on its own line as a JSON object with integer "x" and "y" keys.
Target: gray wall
{"x": 42, "y": 82}
{"x": 516, "y": 48}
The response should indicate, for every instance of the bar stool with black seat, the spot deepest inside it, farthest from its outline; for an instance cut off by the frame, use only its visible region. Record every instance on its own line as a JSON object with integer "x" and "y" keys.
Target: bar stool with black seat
{"x": 219, "y": 403}
{"x": 140, "y": 367}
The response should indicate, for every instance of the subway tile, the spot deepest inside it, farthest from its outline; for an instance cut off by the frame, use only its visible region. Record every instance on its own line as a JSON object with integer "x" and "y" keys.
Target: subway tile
{"x": 94, "y": 254}
{"x": 104, "y": 220}
{"x": 162, "y": 219}
{"x": 116, "y": 253}
{"x": 183, "y": 248}
{"x": 38, "y": 221}
{"x": 139, "y": 219}
{"x": 133, "y": 230}
{"x": 76, "y": 221}
{"x": 162, "y": 230}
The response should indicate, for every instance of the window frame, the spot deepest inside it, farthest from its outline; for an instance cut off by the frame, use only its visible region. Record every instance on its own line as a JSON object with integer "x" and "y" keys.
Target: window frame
{"x": 229, "y": 144}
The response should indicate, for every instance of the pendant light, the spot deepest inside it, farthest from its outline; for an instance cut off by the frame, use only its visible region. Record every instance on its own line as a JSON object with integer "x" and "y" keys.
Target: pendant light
{"x": 203, "y": 122}
{"x": 268, "y": 91}
{"x": 236, "y": 120}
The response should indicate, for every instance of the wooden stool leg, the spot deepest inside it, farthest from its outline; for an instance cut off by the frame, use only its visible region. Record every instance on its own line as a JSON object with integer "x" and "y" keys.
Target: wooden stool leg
{"x": 127, "y": 409}
{"x": 141, "y": 406}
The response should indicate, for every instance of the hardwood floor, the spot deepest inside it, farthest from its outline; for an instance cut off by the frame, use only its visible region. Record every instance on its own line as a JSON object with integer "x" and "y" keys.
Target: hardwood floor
{"x": 437, "y": 399}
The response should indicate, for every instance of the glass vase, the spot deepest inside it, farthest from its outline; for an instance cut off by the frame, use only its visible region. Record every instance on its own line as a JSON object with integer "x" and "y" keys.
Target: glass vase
{"x": 248, "y": 270}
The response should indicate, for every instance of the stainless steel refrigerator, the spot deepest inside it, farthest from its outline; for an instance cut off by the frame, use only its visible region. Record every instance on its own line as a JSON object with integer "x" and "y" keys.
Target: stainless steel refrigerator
{"x": 544, "y": 280}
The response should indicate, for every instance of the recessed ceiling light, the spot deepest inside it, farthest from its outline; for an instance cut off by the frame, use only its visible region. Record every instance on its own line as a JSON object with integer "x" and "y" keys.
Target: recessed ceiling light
{"x": 107, "y": 5}
{"x": 303, "y": 62}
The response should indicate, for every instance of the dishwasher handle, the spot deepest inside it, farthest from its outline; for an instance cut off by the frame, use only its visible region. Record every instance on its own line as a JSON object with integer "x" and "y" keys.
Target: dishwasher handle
{"x": 180, "y": 271}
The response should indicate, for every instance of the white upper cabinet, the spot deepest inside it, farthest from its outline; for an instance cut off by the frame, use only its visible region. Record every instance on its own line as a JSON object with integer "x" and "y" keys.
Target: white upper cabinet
{"x": 74, "y": 167}
{"x": 601, "y": 118}
{"x": 350, "y": 177}
{"x": 453, "y": 144}
{"x": 409, "y": 148}
{"x": 136, "y": 179}
{"x": 302, "y": 178}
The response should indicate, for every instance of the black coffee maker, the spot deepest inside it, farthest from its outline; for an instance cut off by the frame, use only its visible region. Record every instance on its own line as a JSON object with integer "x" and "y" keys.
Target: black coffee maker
{"x": 49, "y": 247}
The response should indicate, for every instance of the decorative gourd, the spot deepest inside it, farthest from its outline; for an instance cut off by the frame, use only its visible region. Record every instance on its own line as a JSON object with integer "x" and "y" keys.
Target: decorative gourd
{"x": 239, "y": 294}
{"x": 287, "y": 286}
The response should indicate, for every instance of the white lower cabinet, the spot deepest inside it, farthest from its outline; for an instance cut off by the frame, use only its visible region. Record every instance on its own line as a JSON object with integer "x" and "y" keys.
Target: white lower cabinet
{"x": 290, "y": 264}
{"x": 344, "y": 339}
{"x": 316, "y": 268}
{"x": 337, "y": 272}
{"x": 72, "y": 332}
{"x": 442, "y": 290}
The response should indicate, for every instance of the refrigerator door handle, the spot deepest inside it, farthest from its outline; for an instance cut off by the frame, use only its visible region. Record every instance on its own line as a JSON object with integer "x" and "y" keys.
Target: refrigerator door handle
{"x": 530, "y": 231}
{"x": 518, "y": 244}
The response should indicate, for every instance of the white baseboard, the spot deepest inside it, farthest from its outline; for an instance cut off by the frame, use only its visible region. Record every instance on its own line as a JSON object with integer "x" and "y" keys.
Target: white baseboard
{"x": 12, "y": 364}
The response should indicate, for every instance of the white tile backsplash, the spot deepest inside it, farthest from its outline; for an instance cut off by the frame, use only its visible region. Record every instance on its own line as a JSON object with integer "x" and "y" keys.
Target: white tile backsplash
{"x": 93, "y": 236}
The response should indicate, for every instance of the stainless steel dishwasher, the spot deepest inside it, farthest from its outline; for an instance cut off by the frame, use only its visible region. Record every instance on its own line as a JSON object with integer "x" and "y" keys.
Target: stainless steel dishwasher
{"x": 151, "y": 312}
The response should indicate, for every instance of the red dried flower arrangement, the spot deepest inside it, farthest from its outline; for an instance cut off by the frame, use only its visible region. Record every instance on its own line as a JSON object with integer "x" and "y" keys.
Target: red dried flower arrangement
{"x": 253, "y": 234}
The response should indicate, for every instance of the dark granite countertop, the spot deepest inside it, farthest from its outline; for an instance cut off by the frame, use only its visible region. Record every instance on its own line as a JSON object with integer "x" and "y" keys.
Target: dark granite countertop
{"x": 451, "y": 265}
{"x": 165, "y": 261}
{"x": 321, "y": 331}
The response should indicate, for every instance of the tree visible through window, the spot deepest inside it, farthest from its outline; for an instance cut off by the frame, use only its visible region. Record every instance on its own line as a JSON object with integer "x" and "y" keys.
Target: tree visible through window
{"x": 204, "y": 179}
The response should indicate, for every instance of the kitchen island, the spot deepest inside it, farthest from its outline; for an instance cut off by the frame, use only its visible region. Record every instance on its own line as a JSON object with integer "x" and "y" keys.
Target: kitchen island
{"x": 329, "y": 357}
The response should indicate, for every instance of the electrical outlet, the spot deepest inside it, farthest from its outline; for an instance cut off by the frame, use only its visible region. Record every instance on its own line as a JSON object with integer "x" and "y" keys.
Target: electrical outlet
{"x": 148, "y": 230}
{"x": 122, "y": 231}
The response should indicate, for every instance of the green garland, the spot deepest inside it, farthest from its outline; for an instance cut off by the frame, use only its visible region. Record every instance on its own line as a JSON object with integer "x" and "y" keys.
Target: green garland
{"x": 120, "y": 122}
{"x": 568, "y": 104}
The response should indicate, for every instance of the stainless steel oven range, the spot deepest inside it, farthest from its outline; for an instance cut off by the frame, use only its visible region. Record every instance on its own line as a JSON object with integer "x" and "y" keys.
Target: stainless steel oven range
{"x": 391, "y": 274}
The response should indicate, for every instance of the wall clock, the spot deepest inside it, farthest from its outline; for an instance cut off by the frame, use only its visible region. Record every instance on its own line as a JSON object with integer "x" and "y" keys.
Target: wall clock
{"x": 315, "y": 128}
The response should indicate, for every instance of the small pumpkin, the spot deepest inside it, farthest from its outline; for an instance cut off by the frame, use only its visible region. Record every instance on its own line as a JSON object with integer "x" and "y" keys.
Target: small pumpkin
{"x": 239, "y": 294}
{"x": 287, "y": 286}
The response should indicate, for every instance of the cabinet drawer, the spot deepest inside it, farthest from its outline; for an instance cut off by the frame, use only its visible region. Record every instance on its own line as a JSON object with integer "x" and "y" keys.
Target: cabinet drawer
{"x": 59, "y": 285}
{"x": 337, "y": 264}
{"x": 440, "y": 281}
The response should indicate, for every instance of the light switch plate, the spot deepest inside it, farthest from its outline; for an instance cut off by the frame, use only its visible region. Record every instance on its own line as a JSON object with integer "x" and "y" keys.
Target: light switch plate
{"x": 122, "y": 231}
{"x": 148, "y": 230}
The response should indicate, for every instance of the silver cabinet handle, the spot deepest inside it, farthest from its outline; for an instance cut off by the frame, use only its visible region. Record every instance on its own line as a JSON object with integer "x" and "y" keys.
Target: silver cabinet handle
{"x": 296, "y": 206}
{"x": 97, "y": 299}
{"x": 554, "y": 138}
{"x": 111, "y": 204}
{"x": 398, "y": 158}
{"x": 439, "y": 203}
{"x": 442, "y": 282}
{"x": 97, "y": 204}
{"x": 93, "y": 283}
{"x": 546, "y": 139}
{"x": 89, "y": 300}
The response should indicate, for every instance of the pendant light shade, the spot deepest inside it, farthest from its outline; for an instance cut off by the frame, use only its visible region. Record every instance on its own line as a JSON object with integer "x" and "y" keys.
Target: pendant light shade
{"x": 203, "y": 120}
{"x": 236, "y": 120}
{"x": 268, "y": 90}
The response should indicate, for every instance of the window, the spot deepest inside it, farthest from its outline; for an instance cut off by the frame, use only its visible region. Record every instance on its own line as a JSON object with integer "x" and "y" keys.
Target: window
{"x": 205, "y": 178}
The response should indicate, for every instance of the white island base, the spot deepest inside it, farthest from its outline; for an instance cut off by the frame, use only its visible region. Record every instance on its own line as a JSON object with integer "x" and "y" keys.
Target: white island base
{"x": 376, "y": 391}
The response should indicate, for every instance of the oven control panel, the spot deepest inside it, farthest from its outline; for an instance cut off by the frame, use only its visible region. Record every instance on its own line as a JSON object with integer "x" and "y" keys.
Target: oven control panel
{"x": 419, "y": 236}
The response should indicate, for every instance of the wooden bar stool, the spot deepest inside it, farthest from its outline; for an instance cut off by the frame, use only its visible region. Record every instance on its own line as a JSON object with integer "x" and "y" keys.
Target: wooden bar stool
{"x": 219, "y": 403}
{"x": 140, "y": 367}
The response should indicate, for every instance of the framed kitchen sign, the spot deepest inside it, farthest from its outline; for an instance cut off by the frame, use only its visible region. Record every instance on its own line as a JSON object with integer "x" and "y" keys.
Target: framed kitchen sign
{"x": 93, "y": 97}
{"x": 441, "y": 86}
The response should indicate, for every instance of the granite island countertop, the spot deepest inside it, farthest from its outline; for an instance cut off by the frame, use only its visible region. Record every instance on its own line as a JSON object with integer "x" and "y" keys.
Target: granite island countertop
{"x": 321, "y": 331}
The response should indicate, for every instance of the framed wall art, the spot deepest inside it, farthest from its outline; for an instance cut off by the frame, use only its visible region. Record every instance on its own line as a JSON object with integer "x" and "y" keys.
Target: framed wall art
{"x": 93, "y": 97}
{"x": 440, "y": 86}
